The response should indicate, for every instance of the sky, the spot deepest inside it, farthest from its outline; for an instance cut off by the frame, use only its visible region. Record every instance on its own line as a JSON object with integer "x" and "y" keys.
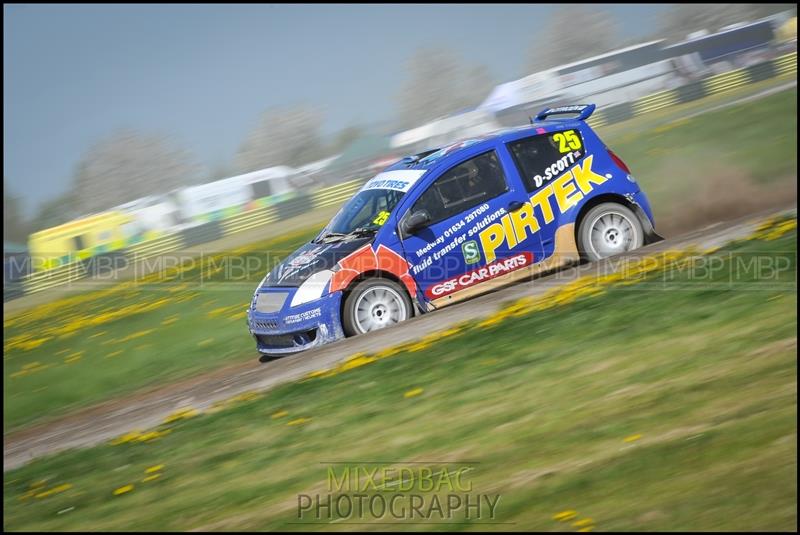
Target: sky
{"x": 203, "y": 74}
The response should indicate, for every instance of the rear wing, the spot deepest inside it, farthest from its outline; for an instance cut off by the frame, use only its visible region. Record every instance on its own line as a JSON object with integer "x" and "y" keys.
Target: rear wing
{"x": 584, "y": 111}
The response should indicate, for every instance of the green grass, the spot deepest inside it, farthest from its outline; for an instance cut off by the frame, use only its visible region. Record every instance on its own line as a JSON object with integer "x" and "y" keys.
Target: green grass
{"x": 703, "y": 370}
{"x": 753, "y": 144}
{"x": 93, "y": 363}
{"x": 192, "y": 327}
{"x": 654, "y": 119}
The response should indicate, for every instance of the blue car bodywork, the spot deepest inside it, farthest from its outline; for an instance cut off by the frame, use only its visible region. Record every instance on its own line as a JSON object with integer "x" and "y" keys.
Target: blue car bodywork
{"x": 553, "y": 172}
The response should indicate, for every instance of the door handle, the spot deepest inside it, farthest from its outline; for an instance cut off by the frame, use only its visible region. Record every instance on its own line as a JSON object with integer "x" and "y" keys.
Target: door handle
{"x": 513, "y": 206}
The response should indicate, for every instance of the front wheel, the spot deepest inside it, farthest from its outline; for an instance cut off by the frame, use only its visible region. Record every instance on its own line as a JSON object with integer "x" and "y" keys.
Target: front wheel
{"x": 609, "y": 229}
{"x": 374, "y": 304}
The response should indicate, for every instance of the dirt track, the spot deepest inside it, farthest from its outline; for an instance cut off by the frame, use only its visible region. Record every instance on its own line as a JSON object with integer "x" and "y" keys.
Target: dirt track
{"x": 146, "y": 409}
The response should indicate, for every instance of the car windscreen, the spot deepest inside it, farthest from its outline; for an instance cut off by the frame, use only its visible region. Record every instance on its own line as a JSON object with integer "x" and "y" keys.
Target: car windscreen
{"x": 369, "y": 209}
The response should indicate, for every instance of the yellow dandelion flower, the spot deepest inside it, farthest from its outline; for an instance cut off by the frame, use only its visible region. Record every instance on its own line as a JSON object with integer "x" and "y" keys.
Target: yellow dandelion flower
{"x": 586, "y": 529}
{"x": 181, "y": 414}
{"x": 152, "y": 435}
{"x": 151, "y": 477}
{"x": 356, "y": 361}
{"x": 418, "y": 346}
{"x": 299, "y": 421}
{"x": 279, "y": 414}
{"x": 250, "y": 395}
{"x": 583, "y": 522}
{"x": 75, "y": 357}
{"x": 563, "y": 516}
{"x": 315, "y": 373}
{"x": 633, "y": 438}
{"x": 412, "y": 393}
{"x": 492, "y": 320}
{"x": 123, "y": 490}
{"x": 54, "y": 490}
{"x": 388, "y": 352}
{"x": 152, "y": 469}
{"x": 127, "y": 437}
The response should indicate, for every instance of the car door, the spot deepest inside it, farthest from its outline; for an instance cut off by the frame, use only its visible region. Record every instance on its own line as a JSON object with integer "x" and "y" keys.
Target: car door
{"x": 464, "y": 244}
{"x": 539, "y": 160}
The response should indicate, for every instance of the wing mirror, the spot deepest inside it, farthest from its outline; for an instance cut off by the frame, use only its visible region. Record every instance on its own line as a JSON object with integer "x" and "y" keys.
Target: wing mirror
{"x": 416, "y": 221}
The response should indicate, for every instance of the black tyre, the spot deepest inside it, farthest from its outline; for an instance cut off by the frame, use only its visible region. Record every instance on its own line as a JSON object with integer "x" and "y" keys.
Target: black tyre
{"x": 374, "y": 304}
{"x": 609, "y": 229}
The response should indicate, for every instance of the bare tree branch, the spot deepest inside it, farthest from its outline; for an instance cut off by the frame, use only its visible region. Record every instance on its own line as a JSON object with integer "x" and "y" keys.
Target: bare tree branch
{"x": 127, "y": 166}
{"x": 284, "y": 136}
{"x": 440, "y": 83}
{"x": 572, "y": 33}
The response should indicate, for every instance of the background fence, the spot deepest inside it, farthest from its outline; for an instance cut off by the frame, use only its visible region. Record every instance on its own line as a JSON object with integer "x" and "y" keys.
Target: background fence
{"x": 785, "y": 65}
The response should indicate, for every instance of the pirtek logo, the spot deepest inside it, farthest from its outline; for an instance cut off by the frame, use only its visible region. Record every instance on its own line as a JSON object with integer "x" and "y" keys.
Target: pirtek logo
{"x": 517, "y": 226}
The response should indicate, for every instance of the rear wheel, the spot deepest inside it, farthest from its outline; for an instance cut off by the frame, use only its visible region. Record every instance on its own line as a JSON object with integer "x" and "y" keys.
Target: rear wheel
{"x": 374, "y": 304}
{"x": 609, "y": 229}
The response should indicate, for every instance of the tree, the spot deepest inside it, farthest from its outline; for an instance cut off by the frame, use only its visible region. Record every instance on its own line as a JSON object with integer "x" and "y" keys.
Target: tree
{"x": 284, "y": 136}
{"x": 129, "y": 165}
{"x": 438, "y": 84}
{"x": 217, "y": 172}
{"x": 572, "y": 33}
{"x": 343, "y": 139}
{"x": 683, "y": 19}
{"x": 15, "y": 227}
{"x": 478, "y": 83}
{"x": 55, "y": 212}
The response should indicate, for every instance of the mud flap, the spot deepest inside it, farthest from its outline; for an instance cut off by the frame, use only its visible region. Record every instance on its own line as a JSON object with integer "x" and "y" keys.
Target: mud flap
{"x": 650, "y": 234}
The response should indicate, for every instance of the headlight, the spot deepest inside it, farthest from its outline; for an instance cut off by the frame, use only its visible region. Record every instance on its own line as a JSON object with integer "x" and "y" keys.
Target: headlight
{"x": 312, "y": 287}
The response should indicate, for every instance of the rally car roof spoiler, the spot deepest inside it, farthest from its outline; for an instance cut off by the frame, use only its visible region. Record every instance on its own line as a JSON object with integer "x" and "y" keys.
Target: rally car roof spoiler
{"x": 584, "y": 111}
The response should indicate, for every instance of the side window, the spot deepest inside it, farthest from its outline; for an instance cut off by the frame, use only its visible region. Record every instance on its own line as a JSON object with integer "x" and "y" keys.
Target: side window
{"x": 262, "y": 189}
{"x": 78, "y": 242}
{"x": 466, "y": 185}
{"x": 544, "y": 157}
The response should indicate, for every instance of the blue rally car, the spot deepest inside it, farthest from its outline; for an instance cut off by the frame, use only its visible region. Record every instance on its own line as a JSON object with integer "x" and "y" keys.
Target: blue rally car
{"x": 448, "y": 224}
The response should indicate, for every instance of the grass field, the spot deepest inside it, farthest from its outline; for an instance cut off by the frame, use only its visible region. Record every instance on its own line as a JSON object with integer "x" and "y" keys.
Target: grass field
{"x": 670, "y": 404}
{"x": 723, "y": 161}
{"x": 653, "y": 119}
{"x": 90, "y": 347}
{"x": 86, "y": 348}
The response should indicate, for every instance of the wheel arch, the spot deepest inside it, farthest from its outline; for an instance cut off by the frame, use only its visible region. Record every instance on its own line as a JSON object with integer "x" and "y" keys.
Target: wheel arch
{"x": 649, "y": 233}
{"x": 378, "y": 274}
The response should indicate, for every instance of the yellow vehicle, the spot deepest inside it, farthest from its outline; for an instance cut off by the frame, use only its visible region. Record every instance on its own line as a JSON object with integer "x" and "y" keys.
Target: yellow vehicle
{"x": 788, "y": 30}
{"x": 79, "y": 239}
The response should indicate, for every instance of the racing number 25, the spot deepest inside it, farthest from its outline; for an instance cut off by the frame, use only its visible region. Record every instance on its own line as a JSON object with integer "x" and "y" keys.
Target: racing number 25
{"x": 567, "y": 141}
{"x": 383, "y": 215}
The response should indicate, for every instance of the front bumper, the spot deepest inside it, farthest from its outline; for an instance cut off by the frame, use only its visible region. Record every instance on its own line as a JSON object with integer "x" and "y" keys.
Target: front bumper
{"x": 294, "y": 329}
